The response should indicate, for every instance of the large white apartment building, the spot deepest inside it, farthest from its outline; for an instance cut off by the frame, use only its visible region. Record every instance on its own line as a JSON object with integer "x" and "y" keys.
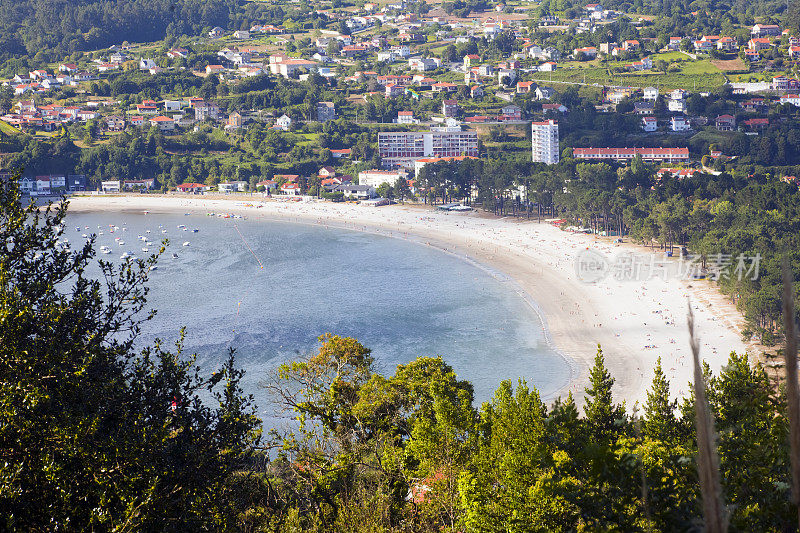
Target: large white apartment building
{"x": 544, "y": 140}
{"x": 402, "y": 148}
{"x": 374, "y": 178}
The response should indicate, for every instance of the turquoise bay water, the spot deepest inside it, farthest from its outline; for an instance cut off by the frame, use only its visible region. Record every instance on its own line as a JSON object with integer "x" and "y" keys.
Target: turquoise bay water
{"x": 399, "y": 298}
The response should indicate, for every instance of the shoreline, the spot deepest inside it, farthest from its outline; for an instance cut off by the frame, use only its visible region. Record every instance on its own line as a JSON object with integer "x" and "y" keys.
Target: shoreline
{"x": 538, "y": 260}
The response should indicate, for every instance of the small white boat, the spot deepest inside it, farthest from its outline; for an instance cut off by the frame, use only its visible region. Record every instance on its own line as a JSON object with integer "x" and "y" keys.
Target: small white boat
{"x": 85, "y": 236}
{"x": 195, "y": 230}
{"x": 125, "y": 255}
{"x": 148, "y": 231}
{"x": 145, "y": 250}
{"x": 121, "y": 243}
{"x": 154, "y": 267}
{"x": 163, "y": 231}
{"x": 186, "y": 243}
{"x": 101, "y": 233}
{"x": 174, "y": 256}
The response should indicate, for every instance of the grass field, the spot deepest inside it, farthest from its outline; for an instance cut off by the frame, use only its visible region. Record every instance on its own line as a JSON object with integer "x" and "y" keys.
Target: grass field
{"x": 7, "y": 128}
{"x": 699, "y": 75}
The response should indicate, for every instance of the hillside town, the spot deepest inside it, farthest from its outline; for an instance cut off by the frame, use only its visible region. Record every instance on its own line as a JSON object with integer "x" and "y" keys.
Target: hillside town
{"x": 426, "y": 87}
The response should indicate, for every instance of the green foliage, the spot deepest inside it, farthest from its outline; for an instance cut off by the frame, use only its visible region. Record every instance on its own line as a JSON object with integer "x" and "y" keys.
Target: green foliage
{"x": 93, "y": 434}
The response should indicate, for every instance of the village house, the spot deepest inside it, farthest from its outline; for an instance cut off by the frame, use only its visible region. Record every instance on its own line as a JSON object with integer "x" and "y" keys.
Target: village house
{"x": 163, "y": 123}
{"x": 588, "y": 51}
{"x": 232, "y": 186}
{"x": 650, "y": 93}
{"x": 631, "y": 45}
{"x": 406, "y": 117}
{"x": 325, "y": 111}
{"x": 679, "y": 124}
{"x": 450, "y": 108}
{"x": 284, "y": 122}
{"x": 765, "y": 30}
{"x": 725, "y": 123}
{"x": 234, "y": 121}
{"x": 114, "y": 123}
{"x": 511, "y": 112}
{"x": 649, "y": 124}
{"x": 192, "y": 188}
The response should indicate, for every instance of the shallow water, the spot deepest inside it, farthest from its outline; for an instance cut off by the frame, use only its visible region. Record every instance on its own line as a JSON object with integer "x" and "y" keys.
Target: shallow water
{"x": 401, "y": 299}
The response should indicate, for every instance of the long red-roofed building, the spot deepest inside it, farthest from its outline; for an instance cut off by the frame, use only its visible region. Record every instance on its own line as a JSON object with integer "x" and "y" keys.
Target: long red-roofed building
{"x": 672, "y": 155}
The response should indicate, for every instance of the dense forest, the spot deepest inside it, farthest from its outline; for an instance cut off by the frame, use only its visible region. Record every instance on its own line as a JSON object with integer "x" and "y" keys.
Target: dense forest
{"x": 56, "y": 28}
{"x": 96, "y": 434}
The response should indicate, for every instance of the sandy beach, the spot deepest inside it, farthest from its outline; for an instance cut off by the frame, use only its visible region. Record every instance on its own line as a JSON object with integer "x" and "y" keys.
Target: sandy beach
{"x": 634, "y": 320}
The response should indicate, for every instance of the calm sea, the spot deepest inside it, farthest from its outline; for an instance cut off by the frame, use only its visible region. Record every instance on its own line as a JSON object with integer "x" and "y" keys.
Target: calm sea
{"x": 401, "y": 299}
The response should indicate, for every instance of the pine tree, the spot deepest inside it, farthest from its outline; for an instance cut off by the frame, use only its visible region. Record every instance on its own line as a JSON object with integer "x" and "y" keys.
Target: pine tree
{"x": 659, "y": 419}
{"x": 602, "y": 416}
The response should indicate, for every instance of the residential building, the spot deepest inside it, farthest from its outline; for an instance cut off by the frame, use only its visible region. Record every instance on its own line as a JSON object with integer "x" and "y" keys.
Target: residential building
{"x": 544, "y": 142}
{"x": 588, "y": 51}
{"x": 205, "y": 110}
{"x": 216, "y": 33}
{"x": 793, "y": 99}
{"x": 650, "y": 93}
{"x": 374, "y": 178}
{"x": 163, "y": 123}
{"x": 138, "y": 185}
{"x": 727, "y": 44}
{"x": 241, "y": 34}
{"x": 643, "y": 108}
{"x": 115, "y": 123}
{"x": 109, "y": 186}
{"x": 544, "y": 93}
{"x": 649, "y": 124}
{"x": 755, "y": 124}
{"x": 360, "y": 192}
{"x": 423, "y": 64}
{"x": 232, "y": 186}
{"x": 450, "y": 108}
{"x": 284, "y": 122}
{"x": 725, "y": 123}
{"x": 679, "y": 123}
{"x": 406, "y": 117}
{"x": 526, "y": 86}
{"x": 234, "y": 121}
{"x": 676, "y": 106}
{"x": 402, "y": 148}
{"x": 780, "y": 83}
{"x": 758, "y": 44}
{"x": 192, "y": 187}
{"x": 631, "y": 45}
{"x": 511, "y": 112}
{"x": 762, "y": 30}
{"x": 672, "y": 155}
{"x": 325, "y": 111}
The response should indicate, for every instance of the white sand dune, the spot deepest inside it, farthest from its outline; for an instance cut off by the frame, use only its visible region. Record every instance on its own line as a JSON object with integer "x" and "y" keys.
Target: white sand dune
{"x": 635, "y": 321}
